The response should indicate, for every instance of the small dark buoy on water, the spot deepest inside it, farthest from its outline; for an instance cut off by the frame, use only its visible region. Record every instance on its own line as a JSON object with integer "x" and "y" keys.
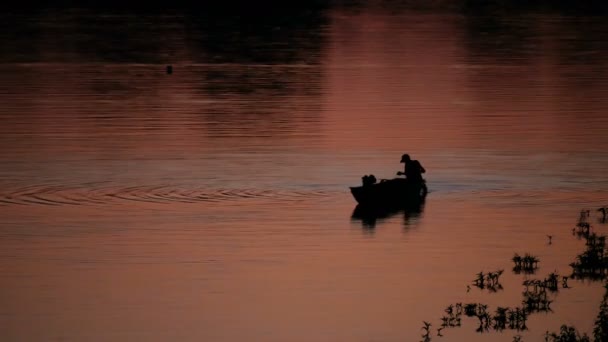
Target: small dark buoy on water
{"x": 169, "y": 69}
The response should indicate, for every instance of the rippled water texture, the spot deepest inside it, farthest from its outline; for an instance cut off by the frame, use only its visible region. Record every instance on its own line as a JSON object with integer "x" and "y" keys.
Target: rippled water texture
{"x": 212, "y": 204}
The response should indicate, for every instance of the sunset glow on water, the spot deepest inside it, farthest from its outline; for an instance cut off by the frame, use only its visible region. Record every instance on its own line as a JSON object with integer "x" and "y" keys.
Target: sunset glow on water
{"x": 213, "y": 203}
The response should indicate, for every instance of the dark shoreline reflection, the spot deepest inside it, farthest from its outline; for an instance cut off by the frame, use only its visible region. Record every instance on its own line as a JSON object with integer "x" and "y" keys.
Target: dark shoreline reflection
{"x": 281, "y": 36}
{"x": 370, "y": 216}
{"x": 264, "y": 70}
{"x": 252, "y": 79}
{"x": 522, "y": 58}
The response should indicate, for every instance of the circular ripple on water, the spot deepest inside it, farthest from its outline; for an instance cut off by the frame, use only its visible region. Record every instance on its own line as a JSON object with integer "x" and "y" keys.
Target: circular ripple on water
{"x": 57, "y": 195}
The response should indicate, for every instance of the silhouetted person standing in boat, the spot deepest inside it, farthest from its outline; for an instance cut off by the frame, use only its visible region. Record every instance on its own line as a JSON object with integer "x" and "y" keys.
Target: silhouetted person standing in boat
{"x": 413, "y": 169}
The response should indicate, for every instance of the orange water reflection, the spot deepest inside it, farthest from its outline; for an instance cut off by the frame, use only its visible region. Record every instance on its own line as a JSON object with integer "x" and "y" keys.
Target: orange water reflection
{"x": 212, "y": 204}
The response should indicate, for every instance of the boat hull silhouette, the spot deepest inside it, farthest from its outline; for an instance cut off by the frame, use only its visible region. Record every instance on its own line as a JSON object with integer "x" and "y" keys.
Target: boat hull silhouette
{"x": 397, "y": 191}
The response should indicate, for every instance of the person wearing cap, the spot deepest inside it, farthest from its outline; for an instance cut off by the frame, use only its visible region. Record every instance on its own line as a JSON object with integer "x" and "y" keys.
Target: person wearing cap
{"x": 413, "y": 170}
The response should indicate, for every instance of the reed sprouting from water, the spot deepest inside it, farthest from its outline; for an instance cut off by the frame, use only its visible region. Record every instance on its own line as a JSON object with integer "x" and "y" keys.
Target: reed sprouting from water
{"x": 566, "y": 334}
{"x": 503, "y": 318}
{"x": 452, "y": 318}
{"x": 550, "y": 283}
{"x": 516, "y": 319}
{"x": 500, "y": 318}
{"x": 526, "y": 264}
{"x": 584, "y": 215}
{"x": 600, "y": 331}
{"x": 582, "y": 228}
{"x": 604, "y": 211}
{"x": 571, "y": 334}
{"x": 536, "y": 300}
{"x": 538, "y": 293}
{"x": 426, "y": 334}
{"x": 489, "y": 281}
{"x": 593, "y": 262}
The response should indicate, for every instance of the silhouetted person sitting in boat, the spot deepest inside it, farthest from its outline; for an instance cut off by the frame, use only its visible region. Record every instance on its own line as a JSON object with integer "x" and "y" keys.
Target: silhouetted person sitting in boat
{"x": 413, "y": 169}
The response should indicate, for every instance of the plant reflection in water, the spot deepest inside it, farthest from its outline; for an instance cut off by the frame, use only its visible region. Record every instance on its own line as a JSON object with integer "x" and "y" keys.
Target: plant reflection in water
{"x": 538, "y": 294}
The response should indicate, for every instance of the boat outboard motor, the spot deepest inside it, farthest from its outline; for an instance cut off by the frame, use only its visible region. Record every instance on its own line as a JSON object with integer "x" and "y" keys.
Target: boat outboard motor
{"x": 369, "y": 180}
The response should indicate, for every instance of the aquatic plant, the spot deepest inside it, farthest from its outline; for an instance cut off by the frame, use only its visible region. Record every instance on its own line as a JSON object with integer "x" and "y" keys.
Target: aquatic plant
{"x": 584, "y": 215}
{"x": 426, "y": 335}
{"x": 537, "y": 294}
{"x": 503, "y": 318}
{"x": 517, "y": 259}
{"x": 537, "y": 301}
{"x": 549, "y": 283}
{"x": 452, "y": 318}
{"x": 600, "y": 331}
{"x": 480, "y": 280}
{"x": 470, "y": 309}
{"x": 604, "y": 211}
{"x": 582, "y": 228}
{"x": 484, "y": 317}
{"x": 500, "y": 319}
{"x": 526, "y": 264}
{"x": 593, "y": 262}
{"x": 590, "y": 264}
{"x": 566, "y": 334}
{"x": 488, "y": 281}
{"x": 516, "y": 319}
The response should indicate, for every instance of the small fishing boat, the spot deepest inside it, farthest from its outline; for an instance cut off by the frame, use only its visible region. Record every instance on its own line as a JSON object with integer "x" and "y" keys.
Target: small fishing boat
{"x": 397, "y": 191}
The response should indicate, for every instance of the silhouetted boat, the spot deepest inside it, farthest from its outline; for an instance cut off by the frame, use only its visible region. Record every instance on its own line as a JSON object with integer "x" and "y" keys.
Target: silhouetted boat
{"x": 397, "y": 191}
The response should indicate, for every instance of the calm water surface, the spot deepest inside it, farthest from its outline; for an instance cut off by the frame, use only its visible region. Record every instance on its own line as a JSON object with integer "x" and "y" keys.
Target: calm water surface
{"x": 212, "y": 204}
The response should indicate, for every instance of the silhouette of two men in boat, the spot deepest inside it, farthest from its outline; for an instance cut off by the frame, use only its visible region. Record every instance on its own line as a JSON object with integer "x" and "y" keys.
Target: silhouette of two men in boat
{"x": 410, "y": 190}
{"x": 412, "y": 171}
